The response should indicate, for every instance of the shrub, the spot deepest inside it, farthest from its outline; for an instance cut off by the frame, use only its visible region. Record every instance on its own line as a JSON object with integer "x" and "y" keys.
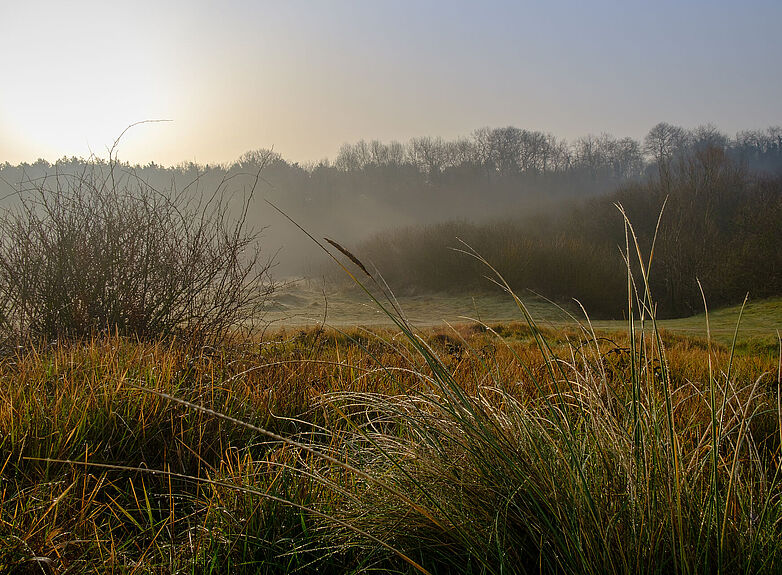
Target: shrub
{"x": 103, "y": 250}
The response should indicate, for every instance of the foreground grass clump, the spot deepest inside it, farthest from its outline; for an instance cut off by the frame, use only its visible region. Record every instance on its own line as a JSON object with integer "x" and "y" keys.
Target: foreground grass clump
{"x": 97, "y": 404}
{"x": 446, "y": 451}
{"x": 82, "y": 402}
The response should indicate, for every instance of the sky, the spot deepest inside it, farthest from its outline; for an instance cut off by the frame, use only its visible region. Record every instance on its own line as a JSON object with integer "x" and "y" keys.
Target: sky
{"x": 305, "y": 77}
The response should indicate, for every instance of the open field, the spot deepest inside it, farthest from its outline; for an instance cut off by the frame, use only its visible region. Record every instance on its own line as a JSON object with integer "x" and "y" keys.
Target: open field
{"x": 308, "y": 304}
{"x": 761, "y": 322}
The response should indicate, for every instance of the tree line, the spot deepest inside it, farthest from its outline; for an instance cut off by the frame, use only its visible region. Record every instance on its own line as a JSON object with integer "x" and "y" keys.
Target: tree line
{"x": 370, "y": 186}
{"x": 493, "y": 153}
{"x": 511, "y": 151}
{"x": 719, "y": 225}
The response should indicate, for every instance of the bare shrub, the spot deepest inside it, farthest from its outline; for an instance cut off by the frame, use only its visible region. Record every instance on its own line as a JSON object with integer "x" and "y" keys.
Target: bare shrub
{"x": 102, "y": 250}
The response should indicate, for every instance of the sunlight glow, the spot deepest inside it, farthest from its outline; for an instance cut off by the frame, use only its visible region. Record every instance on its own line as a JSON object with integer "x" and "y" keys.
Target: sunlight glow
{"x": 306, "y": 77}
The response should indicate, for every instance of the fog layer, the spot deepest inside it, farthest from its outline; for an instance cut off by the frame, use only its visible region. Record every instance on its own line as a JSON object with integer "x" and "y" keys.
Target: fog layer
{"x": 372, "y": 186}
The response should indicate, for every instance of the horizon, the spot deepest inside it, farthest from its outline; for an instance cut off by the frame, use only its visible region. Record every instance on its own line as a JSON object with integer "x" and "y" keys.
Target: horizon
{"x": 112, "y": 152}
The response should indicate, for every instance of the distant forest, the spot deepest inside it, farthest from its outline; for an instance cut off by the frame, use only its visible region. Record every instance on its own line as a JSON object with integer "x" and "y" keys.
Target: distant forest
{"x": 538, "y": 206}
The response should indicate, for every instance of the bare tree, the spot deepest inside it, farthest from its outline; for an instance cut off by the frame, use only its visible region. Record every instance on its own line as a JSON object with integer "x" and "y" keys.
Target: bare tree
{"x": 429, "y": 154}
{"x": 662, "y": 143}
{"x": 707, "y": 136}
{"x": 379, "y": 153}
{"x": 396, "y": 153}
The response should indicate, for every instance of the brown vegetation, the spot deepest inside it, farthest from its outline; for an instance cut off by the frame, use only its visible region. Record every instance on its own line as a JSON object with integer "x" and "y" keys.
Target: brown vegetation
{"x": 221, "y": 503}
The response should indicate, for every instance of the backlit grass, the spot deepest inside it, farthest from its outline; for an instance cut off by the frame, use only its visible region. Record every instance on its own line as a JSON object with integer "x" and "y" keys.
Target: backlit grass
{"x": 472, "y": 453}
{"x": 479, "y": 448}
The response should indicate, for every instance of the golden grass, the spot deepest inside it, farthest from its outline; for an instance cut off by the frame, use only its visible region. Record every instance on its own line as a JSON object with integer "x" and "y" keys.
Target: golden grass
{"x": 351, "y": 395}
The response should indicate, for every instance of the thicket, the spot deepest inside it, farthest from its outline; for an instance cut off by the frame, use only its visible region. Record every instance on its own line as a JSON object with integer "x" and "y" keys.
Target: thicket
{"x": 102, "y": 250}
{"x": 720, "y": 224}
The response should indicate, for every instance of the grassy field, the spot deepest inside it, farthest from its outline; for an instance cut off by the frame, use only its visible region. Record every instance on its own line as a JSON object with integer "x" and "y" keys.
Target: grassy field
{"x": 761, "y": 322}
{"x": 307, "y": 304}
{"x": 496, "y": 448}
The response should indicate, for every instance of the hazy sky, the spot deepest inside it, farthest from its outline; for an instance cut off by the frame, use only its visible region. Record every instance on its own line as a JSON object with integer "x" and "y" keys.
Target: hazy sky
{"x": 304, "y": 77}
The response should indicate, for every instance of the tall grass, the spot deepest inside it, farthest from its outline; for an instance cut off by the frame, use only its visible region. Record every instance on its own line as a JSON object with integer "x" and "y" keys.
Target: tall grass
{"x": 486, "y": 449}
{"x": 593, "y": 468}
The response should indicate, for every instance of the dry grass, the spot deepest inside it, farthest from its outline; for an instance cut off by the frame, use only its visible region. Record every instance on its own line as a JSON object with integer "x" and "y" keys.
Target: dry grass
{"x": 466, "y": 453}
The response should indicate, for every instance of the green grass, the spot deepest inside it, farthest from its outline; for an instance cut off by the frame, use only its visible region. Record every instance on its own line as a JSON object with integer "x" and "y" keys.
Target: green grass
{"x": 760, "y": 322}
{"x": 304, "y": 305}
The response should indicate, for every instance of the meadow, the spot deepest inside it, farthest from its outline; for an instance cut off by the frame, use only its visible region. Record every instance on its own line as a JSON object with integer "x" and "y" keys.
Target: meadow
{"x": 306, "y": 304}
{"x": 150, "y": 422}
{"x": 480, "y": 448}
